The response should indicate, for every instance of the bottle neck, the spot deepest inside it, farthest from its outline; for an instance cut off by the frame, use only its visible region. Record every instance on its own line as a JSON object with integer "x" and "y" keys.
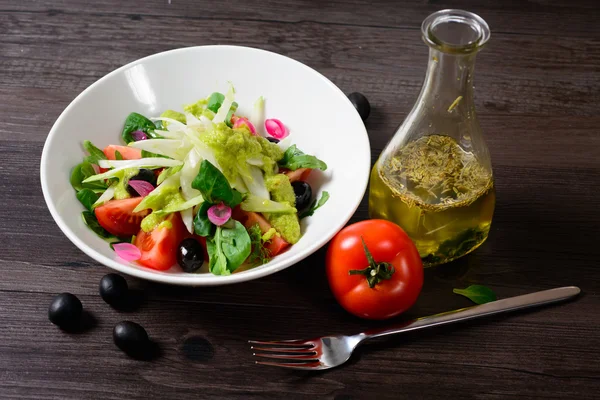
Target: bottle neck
{"x": 449, "y": 81}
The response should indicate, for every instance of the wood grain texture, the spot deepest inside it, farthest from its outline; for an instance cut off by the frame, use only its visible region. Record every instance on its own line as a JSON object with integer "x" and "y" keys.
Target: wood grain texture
{"x": 538, "y": 90}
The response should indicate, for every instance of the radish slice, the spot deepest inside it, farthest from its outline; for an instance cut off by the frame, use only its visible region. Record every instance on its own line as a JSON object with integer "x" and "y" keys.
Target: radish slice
{"x": 241, "y": 121}
{"x": 142, "y": 187}
{"x": 139, "y": 135}
{"x": 276, "y": 128}
{"x": 219, "y": 214}
{"x": 127, "y": 251}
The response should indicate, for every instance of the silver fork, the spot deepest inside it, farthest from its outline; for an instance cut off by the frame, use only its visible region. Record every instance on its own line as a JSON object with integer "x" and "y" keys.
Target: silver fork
{"x": 331, "y": 351}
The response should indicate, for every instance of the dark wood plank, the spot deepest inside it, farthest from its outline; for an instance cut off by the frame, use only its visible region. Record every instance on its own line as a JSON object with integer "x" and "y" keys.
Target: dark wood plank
{"x": 537, "y": 94}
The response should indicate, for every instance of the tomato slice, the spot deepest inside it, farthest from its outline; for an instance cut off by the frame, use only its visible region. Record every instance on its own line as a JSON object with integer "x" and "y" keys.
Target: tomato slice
{"x": 118, "y": 218}
{"x": 159, "y": 246}
{"x": 276, "y": 245}
{"x": 128, "y": 153}
{"x": 301, "y": 174}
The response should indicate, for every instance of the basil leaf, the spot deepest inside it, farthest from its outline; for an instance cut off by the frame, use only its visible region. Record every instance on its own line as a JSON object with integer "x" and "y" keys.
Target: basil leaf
{"x": 202, "y": 225}
{"x": 95, "y": 153}
{"x": 87, "y": 197}
{"x": 137, "y": 122}
{"x": 83, "y": 171}
{"x": 118, "y": 155}
{"x": 478, "y": 294}
{"x": 315, "y": 205}
{"x": 214, "y": 187}
{"x": 236, "y": 245}
{"x": 294, "y": 158}
{"x": 90, "y": 220}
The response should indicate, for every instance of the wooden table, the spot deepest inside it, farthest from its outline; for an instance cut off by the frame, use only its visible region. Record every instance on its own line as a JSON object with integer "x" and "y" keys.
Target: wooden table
{"x": 538, "y": 96}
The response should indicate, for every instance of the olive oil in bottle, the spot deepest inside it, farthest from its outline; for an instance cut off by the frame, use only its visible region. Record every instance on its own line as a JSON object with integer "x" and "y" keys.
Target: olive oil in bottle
{"x": 438, "y": 193}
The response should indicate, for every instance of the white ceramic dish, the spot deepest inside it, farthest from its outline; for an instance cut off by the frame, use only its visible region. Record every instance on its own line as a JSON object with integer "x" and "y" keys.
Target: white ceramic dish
{"x": 321, "y": 119}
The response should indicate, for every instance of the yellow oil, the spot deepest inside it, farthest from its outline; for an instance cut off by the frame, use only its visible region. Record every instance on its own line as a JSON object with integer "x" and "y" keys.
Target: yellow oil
{"x": 439, "y": 194}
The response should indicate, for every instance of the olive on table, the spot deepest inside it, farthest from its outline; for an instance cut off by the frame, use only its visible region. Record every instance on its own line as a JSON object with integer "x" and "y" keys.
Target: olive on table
{"x": 190, "y": 255}
{"x": 360, "y": 102}
{"x": 65, "y": 310}
{"x": 130, "y": 337}
{"x": 114, "y": 289}
{"x": 303, "y": 193}
{"x": 272, "y": 139}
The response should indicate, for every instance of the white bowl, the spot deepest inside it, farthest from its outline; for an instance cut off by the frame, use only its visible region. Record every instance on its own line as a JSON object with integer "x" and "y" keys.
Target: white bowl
{"x": 321, "y": 119}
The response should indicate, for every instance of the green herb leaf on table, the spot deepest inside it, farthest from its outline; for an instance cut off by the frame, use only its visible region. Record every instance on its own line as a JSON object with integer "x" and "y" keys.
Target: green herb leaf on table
{"x": 137, "y": 122}
{"x": 214, "y": 187}
{"x": 83, "y": 171}
{"x": 478, "y": 294}
{"x": 315, "y": 205}
{"x": 90, "y": 220}
{"x": 95, "y": 153}
{"x": 294, "y": 158}
{"x": 202, "y": 225}
{"x": 87, "y": 197}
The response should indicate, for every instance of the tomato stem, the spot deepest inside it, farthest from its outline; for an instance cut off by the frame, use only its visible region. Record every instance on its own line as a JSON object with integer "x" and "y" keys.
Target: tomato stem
{"x": 375, "y": 272}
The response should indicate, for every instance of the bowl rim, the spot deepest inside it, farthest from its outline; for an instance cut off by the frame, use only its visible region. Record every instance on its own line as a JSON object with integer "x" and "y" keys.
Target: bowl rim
{"x": 197, "y": 279}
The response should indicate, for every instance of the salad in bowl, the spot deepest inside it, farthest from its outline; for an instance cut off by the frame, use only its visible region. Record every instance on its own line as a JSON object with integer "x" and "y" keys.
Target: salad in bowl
{"x": 202, "y": 189}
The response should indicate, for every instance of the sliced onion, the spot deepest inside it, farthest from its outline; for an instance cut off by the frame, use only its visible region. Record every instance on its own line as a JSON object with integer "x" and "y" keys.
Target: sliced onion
{"x": 127, "y": 251}
{"x": 219, "y": 214}
{"x": 241, "y": 121}
{"x": 139, "y": 135}
{"x": 276, "y": 128}
{"x": 142, "y": 187}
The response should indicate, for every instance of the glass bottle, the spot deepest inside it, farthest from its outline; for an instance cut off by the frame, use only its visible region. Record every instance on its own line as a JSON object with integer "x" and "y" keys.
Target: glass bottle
{"x": 434, "y": 178}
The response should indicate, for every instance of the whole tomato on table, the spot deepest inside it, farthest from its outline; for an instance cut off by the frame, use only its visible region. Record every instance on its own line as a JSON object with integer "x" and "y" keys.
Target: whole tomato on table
{"x": 374, "y": 269}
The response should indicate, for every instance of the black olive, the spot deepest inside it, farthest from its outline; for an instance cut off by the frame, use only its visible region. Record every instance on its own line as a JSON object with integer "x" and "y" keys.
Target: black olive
{"x": 130, "y": 337}
{"x": 144, "y": 175}
{"x": 114, "y": 289}
{"x": 65, "y": 310}
{"x": 361, "y": 104}
{"x": 303, "y": 193}
{"x": 272, "y": 139}
{"x": 190, "y": 255}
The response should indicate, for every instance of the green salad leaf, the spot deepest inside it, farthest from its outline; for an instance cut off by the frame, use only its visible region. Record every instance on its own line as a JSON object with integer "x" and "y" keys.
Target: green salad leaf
{"x": 167, "y": 172}
{"x": 118, "y": 155}
{"x": 228, "y": 249}
{"x": 90, "y": 220}
{"x": 214, "y": 187}
{"x": 202, "y": 225}
{"x": 87, "y": 197}
{"x": 478, "y": 294}
{"x": 215, "y": 101}
{"x": 315, "y": 205}
{"x": 137, "y": 122}
{"x": 294, "y": 158}
{"x": 80, "y": 173}
{"x": 95, "y": 153}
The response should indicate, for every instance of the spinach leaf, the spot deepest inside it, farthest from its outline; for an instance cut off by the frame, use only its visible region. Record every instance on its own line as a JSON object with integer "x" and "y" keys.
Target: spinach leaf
{"x": 118, "y": 155}
{"x": 294, "y": 158}
{"x": 95, "y": 153}
{"x": 217, "y": 262}
{"x": 90, "y": 220}
{"x": 83, "y": 171}
{"x": 137, "y": 122}
{"x": 315, "y": 205}
{"x": 146, "y": 154}
{"x": 228, "y": 249}
{"x": 236, "y": 245}
{"x": 214, "y": 187}
{"x": 478, "y": 294}
{"x": 202, "y": 225}
{"x": 87, "y": 197}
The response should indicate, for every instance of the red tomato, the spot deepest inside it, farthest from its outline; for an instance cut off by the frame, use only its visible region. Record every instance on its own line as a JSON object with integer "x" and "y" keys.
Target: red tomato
{"x": 117, "y": 216}
{"x": 390, "y": 294}
{"x": 301, "y": 174}
{"x": 276, "y": 245}
{"x": 128, "y": 153}
{"x": 159, "y": 246}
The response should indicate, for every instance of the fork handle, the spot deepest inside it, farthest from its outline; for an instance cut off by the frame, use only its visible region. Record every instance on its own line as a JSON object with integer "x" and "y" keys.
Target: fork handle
{"x": 495, "y": 307}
